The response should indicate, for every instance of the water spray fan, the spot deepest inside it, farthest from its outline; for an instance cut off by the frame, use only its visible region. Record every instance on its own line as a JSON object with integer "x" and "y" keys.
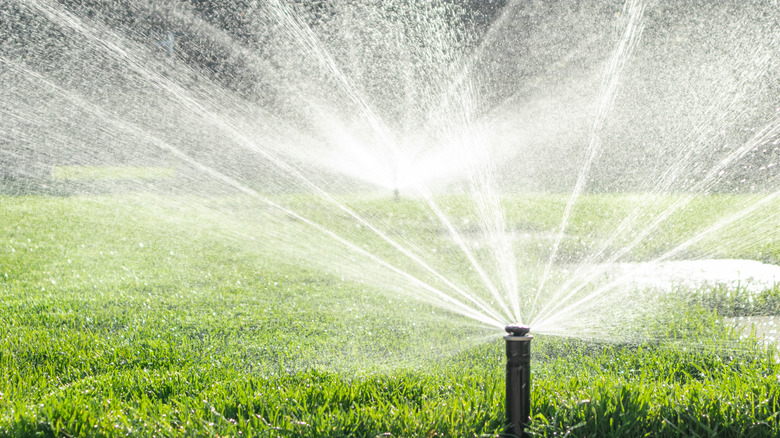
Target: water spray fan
{"x": 518, "y": 378}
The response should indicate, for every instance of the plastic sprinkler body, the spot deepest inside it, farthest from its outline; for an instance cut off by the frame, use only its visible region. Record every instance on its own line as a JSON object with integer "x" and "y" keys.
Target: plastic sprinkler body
{"x": 518, "y": 378}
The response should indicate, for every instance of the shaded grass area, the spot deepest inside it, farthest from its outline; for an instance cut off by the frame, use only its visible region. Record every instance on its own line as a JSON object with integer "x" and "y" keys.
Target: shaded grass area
{"x": 113, "y": 323}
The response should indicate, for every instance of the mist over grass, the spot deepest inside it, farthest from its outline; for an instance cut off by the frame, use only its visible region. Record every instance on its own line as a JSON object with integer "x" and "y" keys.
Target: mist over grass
{"x": 118, "y": 320}
{"x": 92, "y": 173}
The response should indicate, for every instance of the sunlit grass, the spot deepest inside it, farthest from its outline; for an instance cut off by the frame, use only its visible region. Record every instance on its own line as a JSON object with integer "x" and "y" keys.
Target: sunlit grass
{"x": 115, "y": 321}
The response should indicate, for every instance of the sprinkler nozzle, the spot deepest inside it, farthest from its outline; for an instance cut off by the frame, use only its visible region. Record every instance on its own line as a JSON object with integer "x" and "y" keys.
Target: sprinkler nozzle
{"x": 517, "y": 329}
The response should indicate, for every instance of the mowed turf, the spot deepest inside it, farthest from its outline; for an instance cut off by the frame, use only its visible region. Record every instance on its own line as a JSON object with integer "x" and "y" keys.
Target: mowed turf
{"x": 115, "y": 321}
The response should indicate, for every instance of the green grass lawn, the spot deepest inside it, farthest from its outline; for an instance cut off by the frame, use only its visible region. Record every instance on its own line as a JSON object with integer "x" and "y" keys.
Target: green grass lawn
{"x": 119, "y": 320}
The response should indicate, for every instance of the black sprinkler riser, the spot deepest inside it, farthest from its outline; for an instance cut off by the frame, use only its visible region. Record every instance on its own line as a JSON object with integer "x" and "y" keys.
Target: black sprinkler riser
{"x": 518, "y": 379}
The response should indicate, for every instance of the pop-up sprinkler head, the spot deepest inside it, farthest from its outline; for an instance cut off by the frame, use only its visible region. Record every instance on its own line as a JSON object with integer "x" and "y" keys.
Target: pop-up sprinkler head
{"x": 518, "y": 378}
